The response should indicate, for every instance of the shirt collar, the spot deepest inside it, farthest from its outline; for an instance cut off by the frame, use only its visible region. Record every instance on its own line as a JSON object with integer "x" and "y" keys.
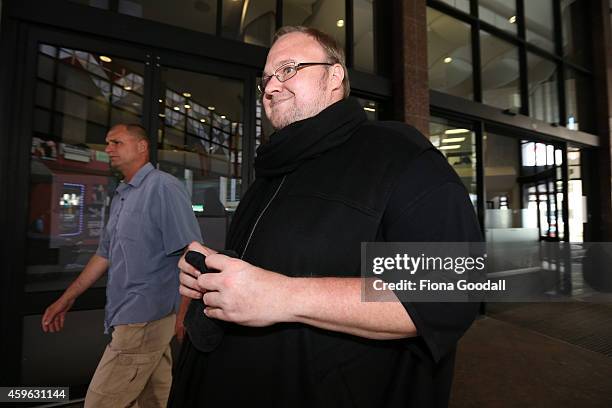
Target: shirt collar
{"x": 141, "y": 174}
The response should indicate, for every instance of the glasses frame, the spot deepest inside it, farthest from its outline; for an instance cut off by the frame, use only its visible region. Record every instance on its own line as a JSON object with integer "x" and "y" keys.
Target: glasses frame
{"x": 265, "y": 79}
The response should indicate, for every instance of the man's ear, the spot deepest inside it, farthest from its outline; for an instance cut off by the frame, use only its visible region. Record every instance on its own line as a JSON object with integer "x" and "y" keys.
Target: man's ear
{"x": 142, "y": 146}
{"x": 337, "y": 76}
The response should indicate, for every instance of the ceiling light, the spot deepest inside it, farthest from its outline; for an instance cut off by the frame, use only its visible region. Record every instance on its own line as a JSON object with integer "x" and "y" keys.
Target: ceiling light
{"x": 127, "y": 88}
{"x": 367, "y": 108}
{"x": 211, "y": 108}
{"x": 222, "y": 116}
{"x": 104, "y": 58}
{"x": 160, "y": 101}
{"x": 161, "y": 115}
{"x": 176, "y": 108}
{"x": 340, "y": 23}
{"x": 187, "y": 106}
{"x": 448, "y": 60}
{"x": 186, "y": 94}
{"x": 203, "y": 120}
{"x": 449, "y": 147}
{"x": 453, "y": 140}
{"x": 512, "y": 19}
{"x": 455, "y": 131}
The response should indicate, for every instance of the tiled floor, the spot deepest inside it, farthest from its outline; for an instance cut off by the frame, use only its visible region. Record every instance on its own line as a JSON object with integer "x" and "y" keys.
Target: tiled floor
{"x": 502, "y": 364}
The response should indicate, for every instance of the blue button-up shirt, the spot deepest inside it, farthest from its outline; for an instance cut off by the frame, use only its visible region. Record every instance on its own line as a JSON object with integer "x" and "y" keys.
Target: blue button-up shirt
{"x": 151, "y": 221}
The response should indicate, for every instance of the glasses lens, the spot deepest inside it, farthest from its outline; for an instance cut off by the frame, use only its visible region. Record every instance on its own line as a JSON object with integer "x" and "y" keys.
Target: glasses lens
{"x": 286, "y": 72}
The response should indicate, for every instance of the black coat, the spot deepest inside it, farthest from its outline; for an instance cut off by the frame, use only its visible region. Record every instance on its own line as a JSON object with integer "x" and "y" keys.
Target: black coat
{"x": 327, "y": 184}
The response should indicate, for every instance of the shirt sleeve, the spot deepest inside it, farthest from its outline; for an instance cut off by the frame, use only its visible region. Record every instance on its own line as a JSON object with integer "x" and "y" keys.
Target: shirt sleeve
{"x": 434, "y": 207}
{"x": 178, "y": 223}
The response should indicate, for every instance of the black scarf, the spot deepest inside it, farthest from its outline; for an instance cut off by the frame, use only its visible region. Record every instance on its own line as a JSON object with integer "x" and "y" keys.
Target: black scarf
{"x": 308, "y": 138}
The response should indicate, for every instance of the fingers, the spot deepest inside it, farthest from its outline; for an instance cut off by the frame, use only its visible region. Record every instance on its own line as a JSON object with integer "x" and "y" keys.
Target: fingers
{"x": 212, "y": 299}
{"x": 210, "y": 282}
{"x": 189, "y": 281}
{"x": 215, "y": 313}
{"x": 219, "y": 262}
{"x": 190, "y": 293}
{"x": 196, "y": 246}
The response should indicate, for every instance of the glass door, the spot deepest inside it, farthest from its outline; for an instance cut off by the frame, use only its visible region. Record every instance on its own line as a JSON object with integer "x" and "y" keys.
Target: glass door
{"x": 200, "y": 128}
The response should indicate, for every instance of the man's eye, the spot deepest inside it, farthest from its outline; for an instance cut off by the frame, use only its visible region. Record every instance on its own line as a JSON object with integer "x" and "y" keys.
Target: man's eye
{"x": 288, "y": 70}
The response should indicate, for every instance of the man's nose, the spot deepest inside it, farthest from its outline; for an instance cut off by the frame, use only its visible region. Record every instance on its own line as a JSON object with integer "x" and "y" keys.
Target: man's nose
{"x": 107, "y": 149}
{"x": 273, "y": 85}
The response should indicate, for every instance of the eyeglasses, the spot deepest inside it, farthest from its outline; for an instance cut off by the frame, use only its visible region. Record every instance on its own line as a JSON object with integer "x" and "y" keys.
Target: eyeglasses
{"x": 286, "y": 72}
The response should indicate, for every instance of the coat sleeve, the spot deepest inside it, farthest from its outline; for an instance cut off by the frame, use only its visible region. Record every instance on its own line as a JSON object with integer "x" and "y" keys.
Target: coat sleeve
{"x": 430, "y": 204}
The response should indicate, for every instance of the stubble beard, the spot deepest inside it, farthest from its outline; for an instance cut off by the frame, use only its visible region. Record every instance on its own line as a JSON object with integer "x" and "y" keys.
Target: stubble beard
{"x": 296, "y": 113}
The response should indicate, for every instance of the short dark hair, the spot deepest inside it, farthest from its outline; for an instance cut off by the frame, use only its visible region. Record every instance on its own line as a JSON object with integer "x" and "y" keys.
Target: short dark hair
{"x": 137, "y": 130}
{"x": 334, "y": 52}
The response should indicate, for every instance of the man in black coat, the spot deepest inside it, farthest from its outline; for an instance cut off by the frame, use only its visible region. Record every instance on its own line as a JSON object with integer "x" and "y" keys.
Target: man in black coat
{"x": 296, "y": 331}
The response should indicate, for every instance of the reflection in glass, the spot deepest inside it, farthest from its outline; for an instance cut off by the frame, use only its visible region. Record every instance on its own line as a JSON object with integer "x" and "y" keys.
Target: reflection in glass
{"x": 499, "y": 13}
{"x": 543, "y": 99}
{"x": 363, "y": 35}
{"x": 253, "y": 22}
{"x": 325, "y": 15}
{"x": 539, "y": 24}
{"x": 200, "y": 136}
{"x": 449, "y": 55}
{"x": 371, "y": 108}
{"x": 577, "y": 203}
{"x": 199, "y": 15}
{"x": 578, "y": 100}
{"x": 500, "y": 72}
{"x": 463, "y": 5}
{"x": 457, "y": 143}
{"x": 574, "y": 16}
{"x": 79, "y": 96}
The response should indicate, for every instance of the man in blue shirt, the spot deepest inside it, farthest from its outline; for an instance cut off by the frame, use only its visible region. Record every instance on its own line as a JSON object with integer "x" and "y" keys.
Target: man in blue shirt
{"x": 151, "y": 221}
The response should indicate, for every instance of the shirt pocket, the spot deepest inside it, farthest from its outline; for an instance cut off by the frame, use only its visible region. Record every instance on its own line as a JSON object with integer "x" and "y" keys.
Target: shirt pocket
{"x": 130, "y": 225}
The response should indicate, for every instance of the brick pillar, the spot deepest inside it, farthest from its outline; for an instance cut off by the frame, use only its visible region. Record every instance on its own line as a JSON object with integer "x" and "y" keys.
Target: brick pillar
{"x": 599, "y": 227}
{"x": 409, "y": 51}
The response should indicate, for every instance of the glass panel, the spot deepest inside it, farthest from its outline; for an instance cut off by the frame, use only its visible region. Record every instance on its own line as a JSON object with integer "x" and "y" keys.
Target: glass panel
{"x": 463, "y": 5}
{"x": 325, "y": 15}
{"x": 543, "y": 95}
{"x": 253, "y": 22}
{"x": 517, "y": 219}
{"x": 200, "y": 136}
{"x": 500, "y": 13}
{"x": 371, "y": 108}
{"x": 449, "y": 55}
{"x": 576, "y": 47}
{"x": 500, "y": 72}
{"x": 578, "y": 100}
{"x": 457, "y": 143}
{"x": 363, "y": 35}
{"x": 539, "y": 24}
{"x": 102, "y": 4}
{"x": 199, "y": 15}
{"x": 79, "y": 96}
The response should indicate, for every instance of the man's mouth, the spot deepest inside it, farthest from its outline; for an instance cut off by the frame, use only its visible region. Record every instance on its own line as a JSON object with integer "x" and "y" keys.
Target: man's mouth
{"x": 276, "y": 101}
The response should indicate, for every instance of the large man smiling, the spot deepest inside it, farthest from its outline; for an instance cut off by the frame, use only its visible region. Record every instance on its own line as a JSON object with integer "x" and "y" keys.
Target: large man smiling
{"x": 296, "y": 331}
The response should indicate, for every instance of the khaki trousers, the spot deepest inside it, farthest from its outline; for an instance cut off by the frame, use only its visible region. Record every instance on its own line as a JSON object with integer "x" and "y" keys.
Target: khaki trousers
{"x": 136, "y": 367}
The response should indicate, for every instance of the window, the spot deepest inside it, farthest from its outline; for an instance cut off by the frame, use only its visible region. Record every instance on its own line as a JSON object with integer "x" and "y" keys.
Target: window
{"x": 253, "y": 22}
{"x": 79, "y": 96}
{"x": 363, "y": 35}
{"x": 578, "y": 100}
{"x": 325, "y": 15}
{"x": 458, "y": 144}
{"x": 499, "y": 13}
{"x": 500, "y": 72}
{"x": 449, "y": 55}
{"x": 539, "y": 25}
{"x": 574, "y": 16}
{"x": 543, "y": 99}
{"x": 463, "y": 5}
{"x": 199, "y": 15}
